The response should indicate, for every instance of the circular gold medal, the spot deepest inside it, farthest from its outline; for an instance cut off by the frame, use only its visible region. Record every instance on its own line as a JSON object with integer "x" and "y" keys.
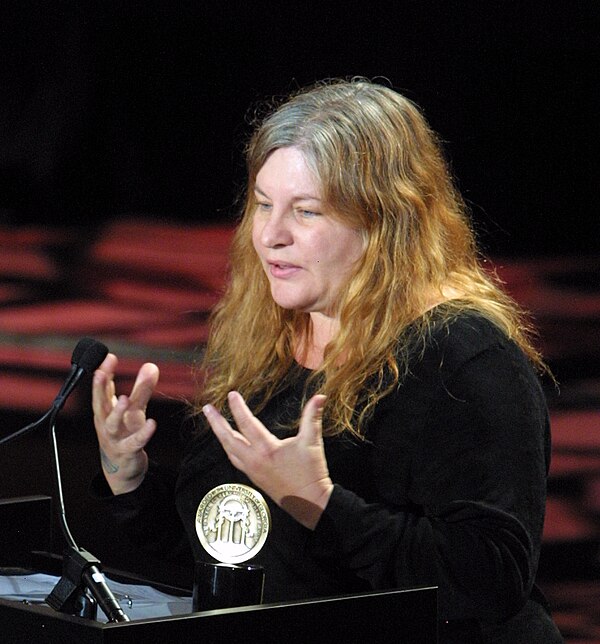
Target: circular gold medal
{"x": 232, "y": 522}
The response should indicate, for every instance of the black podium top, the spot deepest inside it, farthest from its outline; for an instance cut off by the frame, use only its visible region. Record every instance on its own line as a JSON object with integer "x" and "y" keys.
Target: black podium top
{"x": 406, "y": 616}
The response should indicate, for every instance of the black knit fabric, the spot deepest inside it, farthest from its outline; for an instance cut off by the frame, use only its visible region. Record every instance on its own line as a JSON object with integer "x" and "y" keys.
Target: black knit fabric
{"x": 448, "y": 489}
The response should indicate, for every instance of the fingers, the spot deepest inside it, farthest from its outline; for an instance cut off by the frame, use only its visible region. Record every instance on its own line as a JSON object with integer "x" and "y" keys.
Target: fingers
{"x": 126, "y": 415}
{"x": 255, "y": 432}
{"x": 292, "y": 471}
{"x": 141, "y": 437}
{"x": 245, "y": 420}
{"x": 232, "y": 442}
{"x": 109, "y": 364}
{"x": 144, "y": 385}
{"x": 311, "y": 421}
{"x": 115, "y": 420}
{"x": 222, "y": 429}
{"x": 103, "y": 387}
{"x": 121, "y": 425}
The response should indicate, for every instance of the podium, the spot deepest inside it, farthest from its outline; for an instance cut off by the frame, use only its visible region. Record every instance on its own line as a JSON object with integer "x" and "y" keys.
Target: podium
{"x": 406, "y": 616}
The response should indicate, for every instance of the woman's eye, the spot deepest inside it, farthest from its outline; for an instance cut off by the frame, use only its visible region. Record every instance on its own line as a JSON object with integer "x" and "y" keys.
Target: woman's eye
{"x": 264, "y": 207}
{"x": 308, "y": 213}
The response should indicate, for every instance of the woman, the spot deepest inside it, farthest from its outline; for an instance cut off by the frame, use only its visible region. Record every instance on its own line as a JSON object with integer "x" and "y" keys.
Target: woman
{"x": 366, "y": 374}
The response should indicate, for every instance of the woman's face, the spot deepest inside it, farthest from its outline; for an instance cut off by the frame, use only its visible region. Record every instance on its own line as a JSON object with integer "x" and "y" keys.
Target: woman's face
{"x": 306, "y": 253}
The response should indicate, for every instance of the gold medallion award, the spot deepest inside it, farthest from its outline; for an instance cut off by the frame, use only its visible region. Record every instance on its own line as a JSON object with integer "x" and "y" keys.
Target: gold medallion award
{"x": 232, "y": 523}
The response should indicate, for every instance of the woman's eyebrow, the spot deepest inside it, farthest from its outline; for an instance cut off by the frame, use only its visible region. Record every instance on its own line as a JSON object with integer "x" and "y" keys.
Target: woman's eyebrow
{"x": 299, "y": 197}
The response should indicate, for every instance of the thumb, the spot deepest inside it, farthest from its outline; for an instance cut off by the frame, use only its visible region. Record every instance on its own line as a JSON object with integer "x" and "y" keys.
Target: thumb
{"x": 311, "y": 421}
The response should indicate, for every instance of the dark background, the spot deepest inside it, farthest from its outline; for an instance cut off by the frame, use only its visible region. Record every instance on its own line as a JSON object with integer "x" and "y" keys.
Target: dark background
{"x": 112, "y": 109}
{"x": 119, "y": 107}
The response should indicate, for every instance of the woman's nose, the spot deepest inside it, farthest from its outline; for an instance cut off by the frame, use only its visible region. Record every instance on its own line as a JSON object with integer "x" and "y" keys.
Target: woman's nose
{"x": 276, "y": 230}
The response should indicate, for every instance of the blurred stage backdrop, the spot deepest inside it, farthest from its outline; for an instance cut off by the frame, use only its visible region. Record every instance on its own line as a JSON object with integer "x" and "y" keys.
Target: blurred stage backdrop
{"x": 121, "y": 131}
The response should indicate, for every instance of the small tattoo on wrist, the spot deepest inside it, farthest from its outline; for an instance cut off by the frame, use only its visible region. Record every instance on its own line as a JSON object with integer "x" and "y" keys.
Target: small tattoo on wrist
{"x": 108, "y": 466}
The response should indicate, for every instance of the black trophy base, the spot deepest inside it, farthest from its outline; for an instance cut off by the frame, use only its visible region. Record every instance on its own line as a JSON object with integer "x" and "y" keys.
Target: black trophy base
{"x": 220, "y": 585}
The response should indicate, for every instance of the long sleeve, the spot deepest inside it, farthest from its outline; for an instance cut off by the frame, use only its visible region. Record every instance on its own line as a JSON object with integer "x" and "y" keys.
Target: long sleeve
{"x": 459, "y": 460}
{"x": 447, "y": 489}
{"x": 148, "y": 515}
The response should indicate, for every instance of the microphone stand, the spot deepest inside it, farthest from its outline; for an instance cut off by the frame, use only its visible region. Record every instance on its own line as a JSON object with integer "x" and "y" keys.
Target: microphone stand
{"x": 67, "y": 387}
{"x": 82, "y": 586}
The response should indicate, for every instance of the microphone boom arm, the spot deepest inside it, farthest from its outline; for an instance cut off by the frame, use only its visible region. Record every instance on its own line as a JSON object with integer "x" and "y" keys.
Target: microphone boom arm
{"x": 81, "y": 574}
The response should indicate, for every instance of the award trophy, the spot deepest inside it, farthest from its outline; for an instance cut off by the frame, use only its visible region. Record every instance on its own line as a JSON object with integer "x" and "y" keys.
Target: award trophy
{"x": 232, "y": 523}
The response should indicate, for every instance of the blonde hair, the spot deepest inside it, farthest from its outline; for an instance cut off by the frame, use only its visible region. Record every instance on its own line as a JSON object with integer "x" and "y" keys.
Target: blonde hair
{"x": 381, "y": 170}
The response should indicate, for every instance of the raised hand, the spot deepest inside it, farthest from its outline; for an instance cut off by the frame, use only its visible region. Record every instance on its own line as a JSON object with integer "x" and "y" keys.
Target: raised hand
{"x": 292, "y": 471}
{"x": 121, "y": 424}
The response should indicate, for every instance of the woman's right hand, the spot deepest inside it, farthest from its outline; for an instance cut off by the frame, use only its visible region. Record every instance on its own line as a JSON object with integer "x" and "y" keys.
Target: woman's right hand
{"x": 121, "y": 425}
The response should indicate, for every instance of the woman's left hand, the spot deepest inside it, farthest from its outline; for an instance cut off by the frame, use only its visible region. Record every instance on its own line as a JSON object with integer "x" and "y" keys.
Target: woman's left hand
{"x": 292, "y": 471}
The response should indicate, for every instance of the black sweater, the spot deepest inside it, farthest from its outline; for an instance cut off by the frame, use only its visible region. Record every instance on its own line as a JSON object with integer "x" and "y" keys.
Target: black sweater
{"x": 448, "y": 489}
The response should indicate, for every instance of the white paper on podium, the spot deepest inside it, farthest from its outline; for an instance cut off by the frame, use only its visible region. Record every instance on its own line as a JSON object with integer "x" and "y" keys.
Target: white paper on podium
{"x": 137, "y": 601}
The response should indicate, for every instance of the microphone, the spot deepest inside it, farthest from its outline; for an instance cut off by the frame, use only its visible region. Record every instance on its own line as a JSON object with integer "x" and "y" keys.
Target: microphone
{"x": 87, "y": 356}
{"x": 78, "y": 352}
{"x": 81, "y": 570}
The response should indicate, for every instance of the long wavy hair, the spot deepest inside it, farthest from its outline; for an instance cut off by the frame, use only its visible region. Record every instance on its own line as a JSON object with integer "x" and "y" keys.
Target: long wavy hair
{"x": 381, "y": 169}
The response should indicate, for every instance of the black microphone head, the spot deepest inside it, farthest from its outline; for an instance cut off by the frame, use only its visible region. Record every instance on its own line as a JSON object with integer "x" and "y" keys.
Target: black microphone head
{"x": 93, "y": 356}
{"x": 82, "y": 346}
